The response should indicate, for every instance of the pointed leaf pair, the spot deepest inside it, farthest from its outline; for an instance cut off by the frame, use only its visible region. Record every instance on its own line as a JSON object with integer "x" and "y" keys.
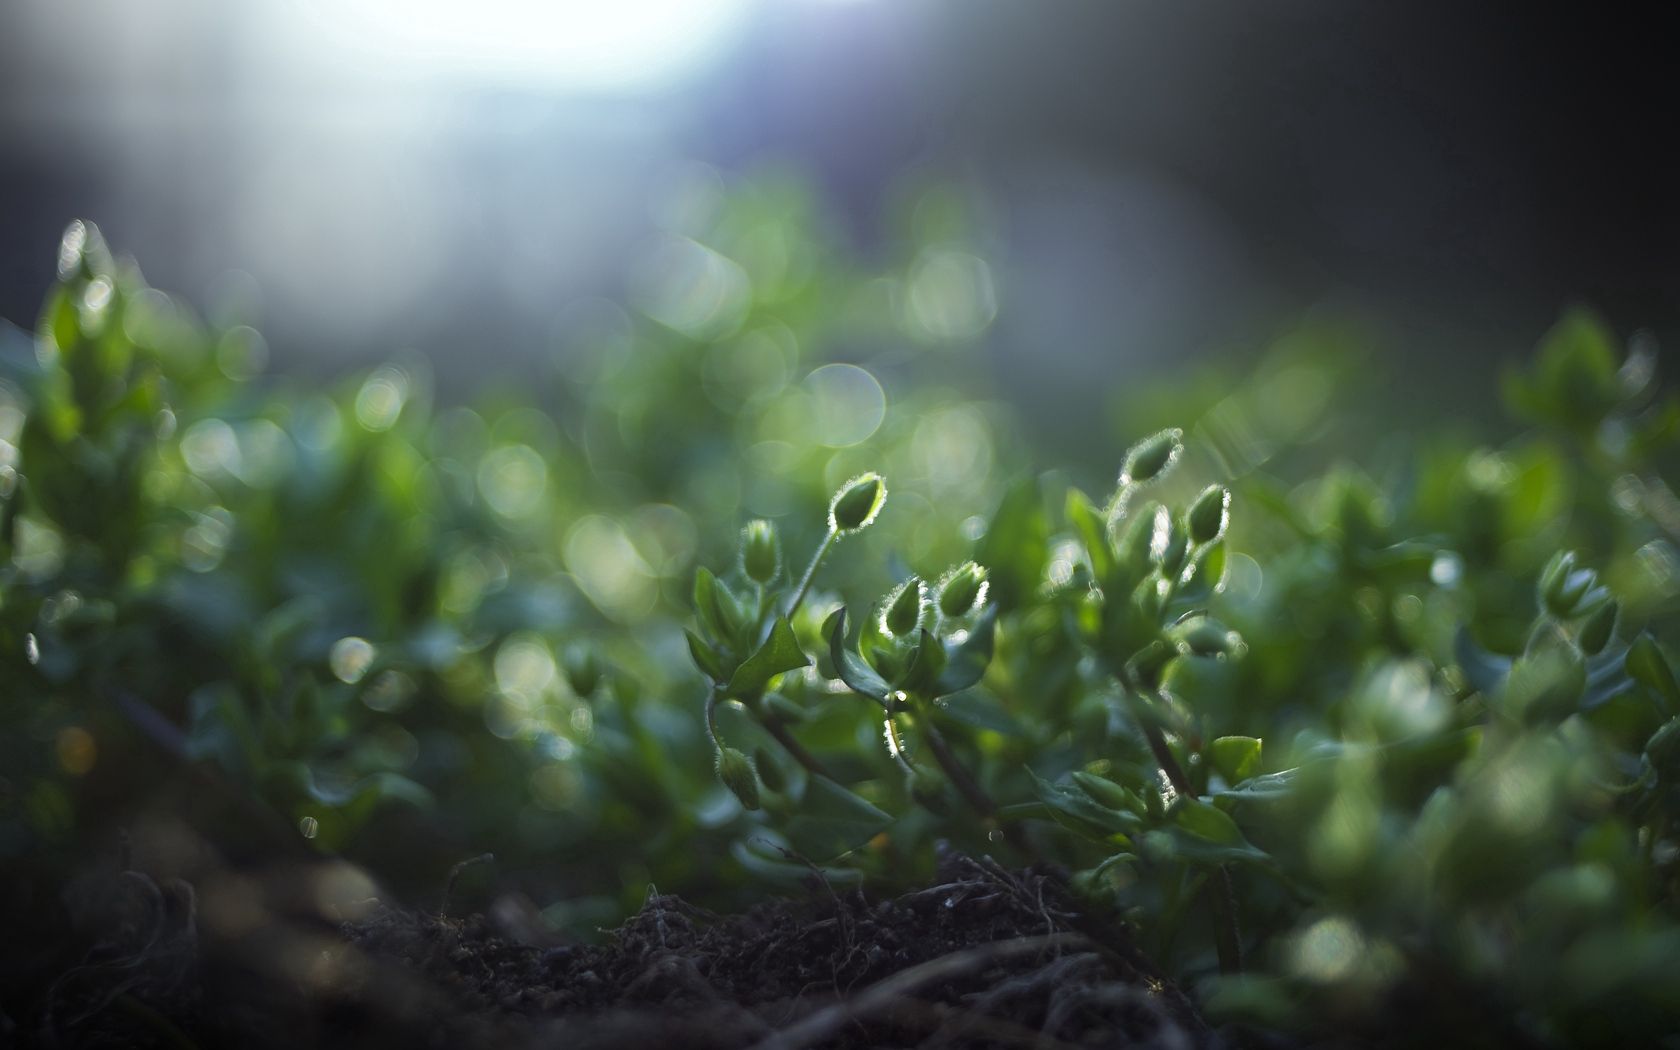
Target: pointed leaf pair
{"x": 852, "y": 669}
{"x": 779, "y": 654}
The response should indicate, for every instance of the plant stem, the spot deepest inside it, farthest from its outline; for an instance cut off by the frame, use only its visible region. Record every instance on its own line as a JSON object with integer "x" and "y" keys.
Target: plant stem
{"x": 810, "y": 571}
{"x": 968, "y": 787}
{"x": 779, "y": 730}
{"x": 711, "y": 718}
{"x": 1221, "y": 896}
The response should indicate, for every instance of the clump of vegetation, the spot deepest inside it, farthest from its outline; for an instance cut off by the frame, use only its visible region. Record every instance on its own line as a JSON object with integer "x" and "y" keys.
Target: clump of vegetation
{"x": 1332, "y": 744}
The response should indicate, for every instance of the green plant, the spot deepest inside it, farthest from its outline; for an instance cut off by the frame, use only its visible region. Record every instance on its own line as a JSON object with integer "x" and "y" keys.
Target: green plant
{"x": 1412, "y": 702}
{"x": 1441, "y": 821}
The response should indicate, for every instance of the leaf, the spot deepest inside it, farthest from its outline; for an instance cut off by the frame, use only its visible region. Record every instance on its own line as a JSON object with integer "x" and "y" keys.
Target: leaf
{"x": 1107, "y": 793}
{"x": 1016, "y": 545}
{"x": 1078, "y": 812}
{"x": 831, "y": 820}
{"x": 926, "y": 662}
{"x": 706, "y": 604}
{"x": 1484, "y": 672}
{"x": 755, "y": 857}
{"x": 981, "y": 710}
{"x": 780, "y": 653}
{"x": 1264, "y": 786}
{"x": 1647, "y": 665}
{"x": 965, "y": 664}
{"x": 1202, "y": 832}
{"x": 849, "y": 665}
{"x": 1237, "y": 758}
{"x": 1088, "y": 524}
{"x": 704, "y": 657}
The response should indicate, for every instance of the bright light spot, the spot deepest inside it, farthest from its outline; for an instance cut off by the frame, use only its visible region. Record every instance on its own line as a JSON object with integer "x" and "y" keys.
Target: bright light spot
{"x": 609, "y": 568}
{"x": 952, "y": 447}
{"x": 582, "y": 45}
{"x": 687, "y": 286}
{"x": 211, "y": 448}
{"x": 1446, "y": 570}
{"x": 350, "y": 659}
{"x": 1329, "y": 950}
{"x": 512, "y": 480}
{"x": 951, "y": 297}
{"x": 381, "y": 398}
{"x": 241, "y": 353}
{"x": 525, "y": 669}
{"x": 848, "y": 404}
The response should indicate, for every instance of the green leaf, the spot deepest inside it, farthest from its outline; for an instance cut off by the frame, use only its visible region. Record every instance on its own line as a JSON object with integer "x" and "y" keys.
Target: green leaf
{"x": 1648, "y": 666}
{"x": 706, "y": 604}
{"x": 1107, "y": 793}
{"x": 1264, "y": 786}
{"x": 1091, "y": 529}
{"x": 1016, "y": 545}
{"x": 965, "y": 663}
{"x": 831, "y": 821}
{"x": 849, "y": 665}
{"x": 779, "y": 654}
{"x": 926, "y": 662}
{"x": 704, "y": 657}
{"x": 1078, "y": 812}
{"x": 981, "y": 710}
{"x": 1237, "y": 758}
{"x": 1205, "y": 833}
{"x": 1484, "y": 672}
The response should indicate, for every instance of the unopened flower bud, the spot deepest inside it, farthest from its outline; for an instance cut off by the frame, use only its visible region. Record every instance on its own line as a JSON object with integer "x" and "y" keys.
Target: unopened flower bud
{"x": 1152, "y": 457}
{"x": 857, "y": 503}
{"x": 901, "y": 614}
{"x": 1595, "y": 633}
{"x": 1208, "y": 516}
{"x": 962, "y": 590}
{"x": 736, "y": 771}
{"x": 761, "y": 551}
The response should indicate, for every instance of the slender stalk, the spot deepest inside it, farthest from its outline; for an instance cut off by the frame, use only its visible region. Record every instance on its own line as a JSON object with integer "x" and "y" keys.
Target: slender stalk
{"x": 810, "y": 572}
{"x": 1222, "y": 898}
{"x": 779, "y": 730}
{"x": 969, "y": 788}
{"x": 712, "y": 698}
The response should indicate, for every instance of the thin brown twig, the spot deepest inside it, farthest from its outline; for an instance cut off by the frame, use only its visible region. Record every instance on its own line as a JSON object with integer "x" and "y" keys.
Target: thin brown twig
{"x": 893, "y": 991}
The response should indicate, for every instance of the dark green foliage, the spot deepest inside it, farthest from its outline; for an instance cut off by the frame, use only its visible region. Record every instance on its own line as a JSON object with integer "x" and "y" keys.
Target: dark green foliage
{"x": 1326, "y": 734}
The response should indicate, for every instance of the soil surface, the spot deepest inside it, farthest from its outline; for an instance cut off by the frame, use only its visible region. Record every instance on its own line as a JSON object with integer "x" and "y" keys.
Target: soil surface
{"x": 986, "y": 957}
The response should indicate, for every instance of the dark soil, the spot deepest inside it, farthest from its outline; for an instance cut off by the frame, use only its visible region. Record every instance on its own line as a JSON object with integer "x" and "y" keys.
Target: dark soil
{"x": 987, "y": 957}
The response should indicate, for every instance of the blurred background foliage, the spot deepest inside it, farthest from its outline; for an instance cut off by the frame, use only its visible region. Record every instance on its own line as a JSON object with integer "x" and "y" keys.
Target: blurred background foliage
{"x": 376, "y": 620}
{"x": 500, "y": 320}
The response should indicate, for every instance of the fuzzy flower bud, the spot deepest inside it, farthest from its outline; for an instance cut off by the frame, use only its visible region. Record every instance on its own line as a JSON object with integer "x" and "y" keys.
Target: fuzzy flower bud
{"x": 857, "y": 503}
{"x": 761, "y": 551}
{"x": 901, "y": 613}
{"x": 1208, "y": 516}
{"x": 962, "y": 590}
{"x": 736, "y": 771}
{"x": 1152, "y": 457}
